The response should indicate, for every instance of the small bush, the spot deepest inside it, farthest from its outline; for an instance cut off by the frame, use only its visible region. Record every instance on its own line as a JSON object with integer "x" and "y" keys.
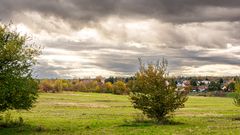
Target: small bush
{"x": 155, "y": 94}
{"x": 7, "y": 120}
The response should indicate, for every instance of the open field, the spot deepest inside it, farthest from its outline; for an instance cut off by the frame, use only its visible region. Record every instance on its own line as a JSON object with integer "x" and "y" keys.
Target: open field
{"x": 93, "y": 113}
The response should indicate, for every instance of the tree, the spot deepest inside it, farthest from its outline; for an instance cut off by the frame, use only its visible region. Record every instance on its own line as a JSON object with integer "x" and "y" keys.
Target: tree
{"x": 193, "y": 82}
{"x": 231, "y": 86}
{"x": 110, "y": 79}
{"x": 18, "y": 90}
{"x": 58, "y": 85}
{"x": 66, "y": 85}
{"x": 155, "y": 93}
{"x": 79, "y": 86}
{"x": 221, "y": 81}
{"x": 119, "y": 87}
{"x": 46, "y": 86}
{"x": 99, "y": 78}
{"x": 214, "y": 86}
{"x": 109, "y": 87}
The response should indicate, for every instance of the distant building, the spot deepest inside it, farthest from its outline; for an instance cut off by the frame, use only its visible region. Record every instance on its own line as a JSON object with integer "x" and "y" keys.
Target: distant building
{"x": 186, "y": 83}
{"x": 206, "y": 82}
{"x": 202, "y": 88}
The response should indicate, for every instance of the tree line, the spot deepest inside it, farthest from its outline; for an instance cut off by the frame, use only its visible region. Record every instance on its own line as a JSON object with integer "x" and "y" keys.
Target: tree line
{"x": 118, "y": 86}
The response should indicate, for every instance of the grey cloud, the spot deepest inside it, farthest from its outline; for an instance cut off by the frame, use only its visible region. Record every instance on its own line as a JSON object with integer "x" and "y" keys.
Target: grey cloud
{"x": 128, "y": 63}
{"x": 204, "y": 57}
{"x": 216, "y": 59}
{"x": 44, "y": 70}
{"x": 86, "y": 46}
{"x": 118, "y": 63}
{"x": 93, "y": 10}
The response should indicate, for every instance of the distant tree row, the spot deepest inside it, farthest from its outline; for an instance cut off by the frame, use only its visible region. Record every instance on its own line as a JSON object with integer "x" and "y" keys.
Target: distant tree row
{"x": 118, "y": 85}
{"x": 95, "y": 85}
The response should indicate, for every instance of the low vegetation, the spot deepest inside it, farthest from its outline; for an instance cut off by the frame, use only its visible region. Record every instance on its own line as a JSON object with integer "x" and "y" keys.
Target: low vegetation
{"x": 94, "y": 113}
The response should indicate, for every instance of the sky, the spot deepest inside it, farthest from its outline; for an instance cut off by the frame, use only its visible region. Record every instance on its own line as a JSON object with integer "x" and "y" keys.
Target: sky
{"x": 87, "y": 38}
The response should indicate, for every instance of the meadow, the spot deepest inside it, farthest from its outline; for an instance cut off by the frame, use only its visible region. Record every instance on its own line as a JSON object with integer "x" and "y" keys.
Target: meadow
{"x": 93, "y": 113}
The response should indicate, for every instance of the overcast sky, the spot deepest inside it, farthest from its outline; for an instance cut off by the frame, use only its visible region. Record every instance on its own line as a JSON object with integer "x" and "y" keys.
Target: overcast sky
{"x": 84, "y": 38}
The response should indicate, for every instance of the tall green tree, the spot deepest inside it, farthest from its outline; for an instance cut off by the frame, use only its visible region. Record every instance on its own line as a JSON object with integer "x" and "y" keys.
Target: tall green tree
{"x": 155, "y": 93}
{"x": 18, "y": 90}
{"x": 214, "y": 86}
{"x": 221, "y": 81}
{"x": 193, "y": 82}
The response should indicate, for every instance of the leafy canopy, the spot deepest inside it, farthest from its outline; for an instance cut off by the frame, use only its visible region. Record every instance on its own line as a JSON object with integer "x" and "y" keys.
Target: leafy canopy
{"x": 18, "y": 90}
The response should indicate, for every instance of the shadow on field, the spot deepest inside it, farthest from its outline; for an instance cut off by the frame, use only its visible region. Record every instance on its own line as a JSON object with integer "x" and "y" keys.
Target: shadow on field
{"x": 27, "y": 129}
{"x": 236, "y": 118}
{"x": 146, "y": 123}
{"x": 140, "y": 119}
{"x": 107, "y": 100}
{"x": 231, "y": 118}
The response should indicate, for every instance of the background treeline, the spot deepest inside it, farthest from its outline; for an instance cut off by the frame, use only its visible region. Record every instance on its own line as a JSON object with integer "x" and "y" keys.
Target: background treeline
{"x": 115, "y": 85}
{"x": 122, "y": 85}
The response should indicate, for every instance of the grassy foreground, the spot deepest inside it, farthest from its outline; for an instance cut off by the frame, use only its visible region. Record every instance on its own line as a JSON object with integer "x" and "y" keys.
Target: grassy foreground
{"x": 92, "y": 113}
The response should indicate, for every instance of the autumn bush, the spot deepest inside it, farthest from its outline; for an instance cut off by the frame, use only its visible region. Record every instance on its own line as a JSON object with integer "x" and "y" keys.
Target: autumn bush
{"x": 155, "y": 94}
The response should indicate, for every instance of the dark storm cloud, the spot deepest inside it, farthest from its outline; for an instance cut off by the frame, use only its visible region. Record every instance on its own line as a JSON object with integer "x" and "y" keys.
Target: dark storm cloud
{"x": 179, "y": 11}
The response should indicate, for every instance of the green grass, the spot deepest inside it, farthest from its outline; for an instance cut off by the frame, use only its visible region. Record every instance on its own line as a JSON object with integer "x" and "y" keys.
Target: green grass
{"x": 92, "y": 113}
